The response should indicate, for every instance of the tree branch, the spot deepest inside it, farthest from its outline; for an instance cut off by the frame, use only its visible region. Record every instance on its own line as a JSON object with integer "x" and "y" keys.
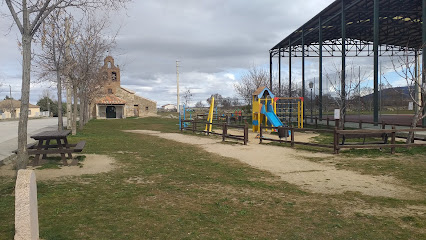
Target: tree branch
{"x": 15, "y": 16}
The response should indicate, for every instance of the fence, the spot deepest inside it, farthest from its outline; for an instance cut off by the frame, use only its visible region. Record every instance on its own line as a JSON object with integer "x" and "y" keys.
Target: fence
{"x": 383, "y": 124}
{"x": 339, "y": 135}
{"x": 360, "y": 122}
{"x": 195, "y": 125}
{"x": 375, "y": 132}
{"x": 292, "y": 132}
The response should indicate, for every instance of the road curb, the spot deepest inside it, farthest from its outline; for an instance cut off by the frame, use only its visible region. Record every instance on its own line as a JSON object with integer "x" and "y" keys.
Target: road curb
{"x": 8, "y": 160}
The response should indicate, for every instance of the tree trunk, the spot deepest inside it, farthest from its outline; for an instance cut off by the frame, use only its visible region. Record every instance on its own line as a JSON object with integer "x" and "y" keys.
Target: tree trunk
{"x": 69, "y": 105}
{"x": 22, "y": 158}
{"x": 342, "y": 117}
{"x": 59, "y": 86}
{"x": 86, "y": 110}
{"x": 81, "y": 122}
{"x": 74, "y": 114}
{"x": 414, "y": 124}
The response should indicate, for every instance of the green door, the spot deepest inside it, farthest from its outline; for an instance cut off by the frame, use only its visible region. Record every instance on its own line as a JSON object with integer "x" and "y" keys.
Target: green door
{"x": 110, "y": 112}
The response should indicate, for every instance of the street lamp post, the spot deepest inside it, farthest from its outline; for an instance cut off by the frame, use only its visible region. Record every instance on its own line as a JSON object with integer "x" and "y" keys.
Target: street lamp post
{"x": 311, "y": 85}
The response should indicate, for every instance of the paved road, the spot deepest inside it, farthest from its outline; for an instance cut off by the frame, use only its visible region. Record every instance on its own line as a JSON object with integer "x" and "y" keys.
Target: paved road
{"x": 9, "y": 133}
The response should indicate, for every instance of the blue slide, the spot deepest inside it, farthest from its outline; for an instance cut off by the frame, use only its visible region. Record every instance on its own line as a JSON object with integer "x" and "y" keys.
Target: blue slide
{"x": 272, "y": 118}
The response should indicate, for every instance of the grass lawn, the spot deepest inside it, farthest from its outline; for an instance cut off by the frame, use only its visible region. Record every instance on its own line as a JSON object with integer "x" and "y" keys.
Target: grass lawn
{"x": 168, "y": 190}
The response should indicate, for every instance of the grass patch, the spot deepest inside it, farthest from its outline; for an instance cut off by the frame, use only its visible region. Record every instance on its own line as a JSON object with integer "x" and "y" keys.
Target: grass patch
{"x": 49, "y": 165}
{"x": 56, "y": 162}
{"x": 81, "y": 158}
{"x": 169, "y": 190}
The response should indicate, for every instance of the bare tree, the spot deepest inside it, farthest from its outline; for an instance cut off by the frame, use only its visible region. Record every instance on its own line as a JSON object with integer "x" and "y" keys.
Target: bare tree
{"x": 405, "y": 67}
{"x": 255, "y": 77}
{"x": 217, "y": 99}
{"x": 87, "y": 57}
{"x": 187, "y": 97}
{"x": 353, "y": 78}
{"x": 199, "y": 104}
{"x": 367, "y": 101}
{"x": 28, "y": 16}
{"x": 236, "y": 102}
{"x": 51, "y": 63}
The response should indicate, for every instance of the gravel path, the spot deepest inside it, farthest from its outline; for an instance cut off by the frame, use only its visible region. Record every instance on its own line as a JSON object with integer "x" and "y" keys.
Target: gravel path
{"x": 291, "y": 166}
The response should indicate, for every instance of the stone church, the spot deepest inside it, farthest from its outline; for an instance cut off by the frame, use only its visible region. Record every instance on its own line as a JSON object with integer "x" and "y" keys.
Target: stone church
{"x": 114, "y": 101}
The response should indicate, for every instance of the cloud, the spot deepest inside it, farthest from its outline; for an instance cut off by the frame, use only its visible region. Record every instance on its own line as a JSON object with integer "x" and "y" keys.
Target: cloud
{"x": 215, "y": 40}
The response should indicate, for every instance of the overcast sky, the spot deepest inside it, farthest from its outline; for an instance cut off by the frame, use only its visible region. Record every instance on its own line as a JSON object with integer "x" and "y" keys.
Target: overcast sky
{"x": 216, "y": 41}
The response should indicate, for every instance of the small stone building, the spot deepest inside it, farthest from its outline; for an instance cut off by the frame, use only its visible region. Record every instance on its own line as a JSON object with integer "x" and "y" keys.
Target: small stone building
{"x": 116, "y": 101}
{"x": 10, "y": 108}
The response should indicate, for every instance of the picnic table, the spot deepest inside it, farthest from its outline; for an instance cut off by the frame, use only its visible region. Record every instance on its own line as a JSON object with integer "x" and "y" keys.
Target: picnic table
{"x": 43, "y": 146}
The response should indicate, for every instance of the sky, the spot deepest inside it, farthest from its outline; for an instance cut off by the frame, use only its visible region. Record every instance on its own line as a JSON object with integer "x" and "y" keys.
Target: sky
{"x": 215, "y": 41}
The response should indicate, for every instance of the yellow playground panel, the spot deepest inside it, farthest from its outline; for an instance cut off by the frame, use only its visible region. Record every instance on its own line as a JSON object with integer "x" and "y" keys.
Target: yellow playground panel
{"x": 274, "y": 111}
{"x": 210, "y": 117}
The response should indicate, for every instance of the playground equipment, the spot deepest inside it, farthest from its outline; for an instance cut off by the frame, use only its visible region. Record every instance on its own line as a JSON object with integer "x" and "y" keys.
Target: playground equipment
{"x": 210, "y": 116}
{"x": 264, "y": 109}
{"x": 182, "y": 116}
{"x": 287, "y": 107}
{"x": 273, "y": 111}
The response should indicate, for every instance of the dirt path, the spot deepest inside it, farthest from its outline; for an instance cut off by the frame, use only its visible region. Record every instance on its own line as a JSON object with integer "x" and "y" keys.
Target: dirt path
{"x": 291, "y": 165}
{"x": 93, "y": 164}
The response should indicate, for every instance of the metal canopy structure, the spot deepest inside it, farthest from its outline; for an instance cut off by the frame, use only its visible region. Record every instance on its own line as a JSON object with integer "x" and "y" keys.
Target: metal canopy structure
{"x": 356, "y": 28}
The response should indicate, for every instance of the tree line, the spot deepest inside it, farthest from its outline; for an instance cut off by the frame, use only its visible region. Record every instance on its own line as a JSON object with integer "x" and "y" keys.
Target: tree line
{"x": 72, "y": 41}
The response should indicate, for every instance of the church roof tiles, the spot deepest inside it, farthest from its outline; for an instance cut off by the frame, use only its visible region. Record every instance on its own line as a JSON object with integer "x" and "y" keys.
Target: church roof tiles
{"x": 110, "y": 99}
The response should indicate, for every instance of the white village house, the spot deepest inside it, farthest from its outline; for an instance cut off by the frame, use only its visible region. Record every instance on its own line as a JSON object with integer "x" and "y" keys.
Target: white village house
{"x": 169, "y": 107}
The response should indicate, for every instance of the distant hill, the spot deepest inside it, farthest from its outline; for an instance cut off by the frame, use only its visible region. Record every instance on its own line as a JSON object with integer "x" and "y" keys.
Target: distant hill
{"x": 391, "y": 94}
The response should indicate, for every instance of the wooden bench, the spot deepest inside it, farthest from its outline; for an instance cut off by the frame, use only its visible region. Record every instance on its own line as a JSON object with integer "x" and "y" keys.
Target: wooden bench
{"x": 32, "y": 148}
{"x": 70, "y": 148}
{"x": 29, "y": 146}
{"x": 383, "y": 136}
{"x": 54, "y": 149}
{"x": 79, "y": 146}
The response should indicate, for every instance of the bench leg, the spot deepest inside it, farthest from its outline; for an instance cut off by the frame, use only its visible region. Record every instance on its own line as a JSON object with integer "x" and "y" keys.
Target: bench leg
{"x": 37, "y": 156}
{"x": 46, "y": 148}
{"x": 64, "y": 160}
{"x": 74, "y": 162}
{"x": 66, "y": 146}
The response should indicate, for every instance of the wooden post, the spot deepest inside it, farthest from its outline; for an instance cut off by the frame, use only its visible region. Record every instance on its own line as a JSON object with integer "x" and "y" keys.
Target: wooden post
{"x": 383, "y": 125}
{"x": 360, "y": 124}
{"x": 328, "y": 122}
{"x": 336, "y": 141}
{"x": 181, "y": 126}
{"x": 316, "y": 122}
{"x": 224, "y": 132}
{"x": 292, "y": 136}
{"x": 336, "y": 123}
{"x": 393, "y": 140}
{"x": 193, "y": 124}
{"x": 260, "y": 133}
{"x": 245, "y": 134}
{"x": 279, "y": 131}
